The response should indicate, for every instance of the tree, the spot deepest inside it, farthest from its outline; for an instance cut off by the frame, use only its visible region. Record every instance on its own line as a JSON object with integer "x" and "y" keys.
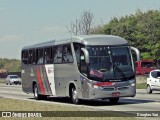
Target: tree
{"x": 142, "y": 30}
{"x": 83, "y": 25}
{"x": 75, "y": 27}
{"x": 11, "y": 65}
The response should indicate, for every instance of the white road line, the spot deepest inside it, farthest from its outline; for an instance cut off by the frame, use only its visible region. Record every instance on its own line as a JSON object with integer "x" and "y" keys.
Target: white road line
{"x": 12, "y": 92}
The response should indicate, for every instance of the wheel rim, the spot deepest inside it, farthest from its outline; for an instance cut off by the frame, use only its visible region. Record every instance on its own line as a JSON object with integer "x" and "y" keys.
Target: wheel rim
{"x": 74, "y": 95}
{"x": 35, "y": 92}
{"x": 148, "y": 89}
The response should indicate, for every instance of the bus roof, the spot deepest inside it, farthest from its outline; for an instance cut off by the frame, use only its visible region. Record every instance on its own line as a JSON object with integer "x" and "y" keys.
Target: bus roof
{"x": 109, "y": 40}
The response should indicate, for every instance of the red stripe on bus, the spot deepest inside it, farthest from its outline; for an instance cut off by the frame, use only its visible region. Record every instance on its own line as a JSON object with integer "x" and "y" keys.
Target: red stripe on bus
{"x": 40, "y": 81}
{"x": 104, "y": 84}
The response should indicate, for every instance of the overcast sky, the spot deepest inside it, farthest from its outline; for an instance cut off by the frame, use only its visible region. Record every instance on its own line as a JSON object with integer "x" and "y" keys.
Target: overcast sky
{"x": 26, "y": 22}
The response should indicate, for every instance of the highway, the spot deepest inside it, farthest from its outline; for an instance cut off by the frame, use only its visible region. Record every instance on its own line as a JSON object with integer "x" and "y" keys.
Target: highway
{"x": 141, "y": 102}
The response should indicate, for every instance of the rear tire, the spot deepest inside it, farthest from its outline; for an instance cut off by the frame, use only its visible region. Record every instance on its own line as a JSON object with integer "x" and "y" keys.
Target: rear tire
{"x": 37, "y": 96}
{"x": 149, "y": 90}
{"x": 113, "y": 100}
{"x": 74, "y": 96}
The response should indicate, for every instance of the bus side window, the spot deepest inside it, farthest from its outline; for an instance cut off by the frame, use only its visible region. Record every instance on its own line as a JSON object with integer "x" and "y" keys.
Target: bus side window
{"x": 48, "y": 55}
{"x": 31, "y": 57}
{"x": 39, "y": 56}
{"x": 25, "y": 57}
{"x": 67, "y": 54}
{"x": 77, "y": 49}
{"x": 58, "y": 54}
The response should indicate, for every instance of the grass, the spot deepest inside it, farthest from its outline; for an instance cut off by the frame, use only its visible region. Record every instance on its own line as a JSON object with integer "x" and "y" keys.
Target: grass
{"x": 141, "y": 85}
{"x": 141, "y": 82}
{"x": 2, "y": 80}
{"x": 23, "y": 105}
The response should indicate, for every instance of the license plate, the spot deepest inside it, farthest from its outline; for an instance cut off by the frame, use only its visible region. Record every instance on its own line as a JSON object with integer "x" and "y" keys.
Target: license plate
{"x": 116, "y": 94}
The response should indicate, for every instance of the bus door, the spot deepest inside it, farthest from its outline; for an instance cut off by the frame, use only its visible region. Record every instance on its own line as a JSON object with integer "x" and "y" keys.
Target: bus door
{"x": 84, "y": 81}
{"x": 50, "y": 79}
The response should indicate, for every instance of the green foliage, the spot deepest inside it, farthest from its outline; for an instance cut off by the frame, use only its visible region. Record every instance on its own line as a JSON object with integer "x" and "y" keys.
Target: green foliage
{"x": 12, "y": 65}
{"x": 142, "y": 30}
{"x": 146, "y": 55}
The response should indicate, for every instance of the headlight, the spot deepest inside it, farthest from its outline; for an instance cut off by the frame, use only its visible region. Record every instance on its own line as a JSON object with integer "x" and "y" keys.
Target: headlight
{"x": 97, "y": 87}
{"x": 132, "y": 82}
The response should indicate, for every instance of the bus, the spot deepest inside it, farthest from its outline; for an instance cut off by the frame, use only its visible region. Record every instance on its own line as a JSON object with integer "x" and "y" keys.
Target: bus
{"x": 81, "y": 67}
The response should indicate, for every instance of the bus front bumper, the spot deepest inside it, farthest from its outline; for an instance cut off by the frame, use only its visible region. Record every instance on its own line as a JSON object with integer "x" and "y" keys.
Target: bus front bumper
{"x": 112, "y": 93}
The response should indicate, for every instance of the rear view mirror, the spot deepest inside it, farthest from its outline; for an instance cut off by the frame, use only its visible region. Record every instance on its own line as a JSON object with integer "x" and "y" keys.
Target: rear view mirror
{"x": 137, "y": 53}
{"x": 86, "y": 55}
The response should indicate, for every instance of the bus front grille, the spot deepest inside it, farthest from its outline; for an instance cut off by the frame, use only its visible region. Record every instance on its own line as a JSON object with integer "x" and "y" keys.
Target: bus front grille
{"x": 109, "y": 88}
{"x": 123, "y": 88}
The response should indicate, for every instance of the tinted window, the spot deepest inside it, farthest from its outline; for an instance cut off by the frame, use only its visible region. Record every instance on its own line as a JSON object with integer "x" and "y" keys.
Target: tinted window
{"x": 31, "y": 57}
{"x": 67, "y": 54}
{"x": 13, "y": 76}
{"x": 109, "y": 63}
{"x": 48, "y": 55}
{"x": 39, "y": 56}
{"x": 25, "y": 57}
{"x": 147, "y": 64}
{"x": 155, "y": 74}
{"x": 58, "y": 54}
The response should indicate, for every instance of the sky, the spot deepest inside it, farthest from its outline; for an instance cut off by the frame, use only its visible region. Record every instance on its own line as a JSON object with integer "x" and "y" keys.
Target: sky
{"x": 27, "y": 22}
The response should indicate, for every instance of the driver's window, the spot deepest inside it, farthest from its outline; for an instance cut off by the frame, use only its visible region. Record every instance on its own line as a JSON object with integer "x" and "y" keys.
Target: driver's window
{"x": 83, "y": 65}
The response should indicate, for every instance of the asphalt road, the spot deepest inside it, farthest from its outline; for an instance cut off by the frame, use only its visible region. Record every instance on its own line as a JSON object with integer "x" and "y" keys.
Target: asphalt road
{"x": 141, "y": 102}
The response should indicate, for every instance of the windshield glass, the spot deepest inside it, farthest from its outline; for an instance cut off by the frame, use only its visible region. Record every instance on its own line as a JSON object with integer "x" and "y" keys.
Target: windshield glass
{"x": 148, "y": 64}
{"x": 13, "y": 76}
{"x": 110, "y": 63}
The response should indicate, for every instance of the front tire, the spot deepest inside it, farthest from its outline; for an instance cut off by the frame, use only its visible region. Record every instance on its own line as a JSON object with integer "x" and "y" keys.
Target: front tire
{"x": 149, "y": 90}
{"x": 74, "y": 96}
{"x": 10, "y": 83}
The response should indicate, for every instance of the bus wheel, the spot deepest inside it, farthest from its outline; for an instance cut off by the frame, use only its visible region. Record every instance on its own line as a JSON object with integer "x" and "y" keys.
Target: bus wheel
{"x": 149, "y": 90}
{"x": 74, "y": 96}
{"x": 37, "y": 96}
{"x": 113, "y": 100}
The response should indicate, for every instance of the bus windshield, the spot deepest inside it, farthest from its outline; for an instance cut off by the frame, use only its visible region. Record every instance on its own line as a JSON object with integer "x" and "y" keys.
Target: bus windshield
{"x": 110, "y": 63}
